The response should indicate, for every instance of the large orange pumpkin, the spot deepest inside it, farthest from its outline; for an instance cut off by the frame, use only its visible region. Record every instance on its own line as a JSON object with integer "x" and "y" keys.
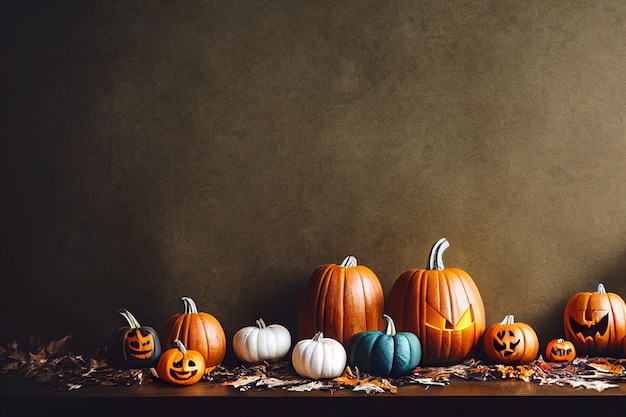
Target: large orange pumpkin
{"x": 198, "y": 331}
{"x": 341, "y": 300}
{"x": 442, "y": 306}
{"x": 596, "y": 322}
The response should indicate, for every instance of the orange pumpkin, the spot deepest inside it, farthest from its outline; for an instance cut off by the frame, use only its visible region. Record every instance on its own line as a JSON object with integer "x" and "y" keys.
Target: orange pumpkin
{"x": 198, "y": 331}
{"x": 442, "y": 306}
{"x": 181, "y": 366}
{"x": 341, "y": 300}
{"x": 596, "y": 322}
{"x": 560, "y": 350}
{"x": 510, "y": 342}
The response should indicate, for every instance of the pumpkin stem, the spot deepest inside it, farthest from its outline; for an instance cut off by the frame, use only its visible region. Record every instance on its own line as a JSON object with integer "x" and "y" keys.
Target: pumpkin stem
{"x": 179, "y": 345}
{"x": 508, "y": 319}
{"x": 132, "y": 321}
{"x": 391, "y": 326}
{"x": 318, "y": 336}
{"x": 190, "y": 305}
{"x": 349, "y": 262}
{"x": 260, "y": 323}
{"x": 435, "y": 260}
{"x": 601, "y": 289}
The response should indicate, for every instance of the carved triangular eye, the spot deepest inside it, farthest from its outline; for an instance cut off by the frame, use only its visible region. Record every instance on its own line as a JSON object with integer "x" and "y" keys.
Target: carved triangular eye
{"x": 437, "y": 320}
{"x": 466, "y": 320}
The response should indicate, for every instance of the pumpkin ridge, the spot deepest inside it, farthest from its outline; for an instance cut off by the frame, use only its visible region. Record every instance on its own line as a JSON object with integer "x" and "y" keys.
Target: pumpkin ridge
{"x": 364, "y": 311}
{"x": 413, "y": 311}
{"x": 383, "y": 354}
{"x": 619, "y": 330}
{"x": 322, "y": 300}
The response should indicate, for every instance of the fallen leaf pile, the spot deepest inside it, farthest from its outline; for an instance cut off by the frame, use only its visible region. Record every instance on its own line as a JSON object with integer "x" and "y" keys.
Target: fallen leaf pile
{"x": 49, "y": 362}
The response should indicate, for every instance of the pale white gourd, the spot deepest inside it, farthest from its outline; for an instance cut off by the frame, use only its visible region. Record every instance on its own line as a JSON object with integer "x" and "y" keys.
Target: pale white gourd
{"x": 254, "y": 344}
{"x": 319, "y": 357}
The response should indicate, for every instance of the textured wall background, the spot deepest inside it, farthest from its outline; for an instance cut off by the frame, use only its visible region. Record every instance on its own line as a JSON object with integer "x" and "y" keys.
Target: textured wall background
{"x": 224, "y": 149}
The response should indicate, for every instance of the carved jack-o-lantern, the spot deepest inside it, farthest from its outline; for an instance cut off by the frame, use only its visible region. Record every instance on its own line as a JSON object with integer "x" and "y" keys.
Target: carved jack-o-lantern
{"x": 181, "y": 366}
{"x": 442, "y": 306}
{"x": 596, "y": 322}
{"x": 560, "y": 350}
{"x": 511, "y": 342}
{"x": 133, "y": 346}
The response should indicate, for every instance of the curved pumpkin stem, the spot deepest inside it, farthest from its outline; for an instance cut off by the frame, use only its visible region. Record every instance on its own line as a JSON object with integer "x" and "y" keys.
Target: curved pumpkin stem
{"x": 132, "y": 321}
{"x": 391, "y": 326}
{"x": 318, "y": 336}
{"x": 349, "y": 262}
{"x": 179, "y": 345}
{"x": 190, "y": 305}
{"x": 601, "y": 288}
{"x": 435, "y": 260}
{"x": 508, "y": 319}
{"x": 260, "y": 323}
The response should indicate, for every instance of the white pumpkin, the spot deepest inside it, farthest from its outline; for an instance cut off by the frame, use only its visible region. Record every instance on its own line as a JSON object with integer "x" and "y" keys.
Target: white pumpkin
{"x": 253, "y": 344}
{"x": 319, "y": 357}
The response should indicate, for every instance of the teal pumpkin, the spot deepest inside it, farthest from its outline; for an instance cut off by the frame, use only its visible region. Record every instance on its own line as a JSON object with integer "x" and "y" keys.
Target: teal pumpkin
{"x": 384, "y": 354}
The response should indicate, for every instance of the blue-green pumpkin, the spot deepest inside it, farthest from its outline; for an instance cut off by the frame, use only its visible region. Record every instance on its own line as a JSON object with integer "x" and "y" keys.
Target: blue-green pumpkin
{"x": 384, "y": 354}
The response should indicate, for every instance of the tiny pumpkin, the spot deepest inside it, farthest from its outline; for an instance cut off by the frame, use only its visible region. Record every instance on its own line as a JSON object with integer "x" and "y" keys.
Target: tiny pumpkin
{"x": 510, "y": 342}
{"x": 319, "y": 357}
{"x": 442, "y": 306}
{"x": 198, "y": 331}
{"x": 560, "y": 350}
{"x": 253, "y": 344}
{"x": 595, "y": 322}
{"x": 341, "y": 300}
{"x": 181, "y": 366}
{"x": 385, "y": 354}
{"x": 133, "y": 346}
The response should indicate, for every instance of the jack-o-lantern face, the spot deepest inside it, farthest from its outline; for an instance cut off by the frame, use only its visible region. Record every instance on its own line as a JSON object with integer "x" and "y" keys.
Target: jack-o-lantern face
{"x": 133, "y": 346}
{"x": 560, "y": 350}
{"x": 511, "y": 343}
{"x": 506, "y": 343}
{"x": 181, "y": 366}
{"x": 140, "y": 344}
{"x": 595, "y": 322}
{"x": 442, "y": 306}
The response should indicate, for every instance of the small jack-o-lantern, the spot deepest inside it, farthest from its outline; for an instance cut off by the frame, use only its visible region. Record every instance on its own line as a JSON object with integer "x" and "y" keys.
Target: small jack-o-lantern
{"x": 181, "y": 366}
{"x": 133, "y": 346}
{"x": 510, "y": 342}
{"x": 596, "y": 322}
{"x": 442, "y": 306}
{"x": 560, "y": 350}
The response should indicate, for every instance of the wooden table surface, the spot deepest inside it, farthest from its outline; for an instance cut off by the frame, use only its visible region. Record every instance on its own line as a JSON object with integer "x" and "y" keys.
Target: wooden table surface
{"x": 26, "y": 397}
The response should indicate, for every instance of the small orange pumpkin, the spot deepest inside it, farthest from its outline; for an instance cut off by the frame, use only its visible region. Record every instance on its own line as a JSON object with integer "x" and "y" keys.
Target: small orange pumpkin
{"x": 560, "y": 350}
{"x": 510, "y": 342}
{"x": 341, "y": 300}
{"x": 181, "y": 366}
{"x": 596, "y": 322}
{"x": 198, "y": 331}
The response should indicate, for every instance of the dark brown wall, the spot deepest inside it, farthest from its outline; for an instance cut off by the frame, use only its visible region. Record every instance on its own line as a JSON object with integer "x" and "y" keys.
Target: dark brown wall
{"x": 224, "y": 149}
